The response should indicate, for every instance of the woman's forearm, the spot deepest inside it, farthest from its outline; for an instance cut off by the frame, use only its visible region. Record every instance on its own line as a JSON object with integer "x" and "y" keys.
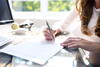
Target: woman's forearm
{"x": 97, "y": 47}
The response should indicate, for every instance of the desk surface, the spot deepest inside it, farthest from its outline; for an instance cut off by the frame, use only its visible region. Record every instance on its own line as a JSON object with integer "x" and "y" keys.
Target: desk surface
{"x": 58, "y": 59}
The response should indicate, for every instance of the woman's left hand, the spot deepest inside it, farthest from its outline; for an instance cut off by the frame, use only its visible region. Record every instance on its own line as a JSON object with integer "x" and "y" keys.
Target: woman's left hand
{"x": 76, "y": 42}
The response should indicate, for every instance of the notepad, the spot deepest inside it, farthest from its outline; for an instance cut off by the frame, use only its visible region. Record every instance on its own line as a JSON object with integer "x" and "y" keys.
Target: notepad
{"x": 4, "y": 40}
{"x": 36, "y": 51}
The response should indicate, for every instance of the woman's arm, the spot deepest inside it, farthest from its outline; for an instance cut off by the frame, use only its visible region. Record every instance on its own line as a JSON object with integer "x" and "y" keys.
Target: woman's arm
{"x": 75, "y": 42}
{"x": 59, "y": 27}
{"x": 64, "y": 24}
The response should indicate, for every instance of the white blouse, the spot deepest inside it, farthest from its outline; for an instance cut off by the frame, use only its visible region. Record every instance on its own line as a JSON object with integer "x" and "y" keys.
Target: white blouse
{"x": 73, "y": 25}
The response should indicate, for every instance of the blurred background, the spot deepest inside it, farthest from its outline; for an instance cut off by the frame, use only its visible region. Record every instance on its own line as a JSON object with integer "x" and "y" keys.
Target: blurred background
{"x": 50, "y": 9}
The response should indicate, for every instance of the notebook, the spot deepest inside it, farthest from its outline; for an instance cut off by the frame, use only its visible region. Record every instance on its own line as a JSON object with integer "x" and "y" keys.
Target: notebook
{"x": 4, "y": 40}
{"x": 33, "y": 50}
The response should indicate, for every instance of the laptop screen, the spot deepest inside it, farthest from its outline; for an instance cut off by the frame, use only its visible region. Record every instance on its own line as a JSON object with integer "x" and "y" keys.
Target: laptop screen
{"x": 5, "y": 12}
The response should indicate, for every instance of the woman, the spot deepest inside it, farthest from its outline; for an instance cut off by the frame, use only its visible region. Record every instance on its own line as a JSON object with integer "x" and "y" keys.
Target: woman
{"x": 88, "y": 30}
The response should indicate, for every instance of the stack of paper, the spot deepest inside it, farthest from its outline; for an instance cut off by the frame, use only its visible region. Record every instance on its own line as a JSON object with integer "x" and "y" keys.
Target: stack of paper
{"x": 36, "y": 51}
{"x": 4, "y": 40}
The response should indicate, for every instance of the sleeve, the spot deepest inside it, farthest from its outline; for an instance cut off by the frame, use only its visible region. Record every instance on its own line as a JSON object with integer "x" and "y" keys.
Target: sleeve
{"x": 64, "y": 24}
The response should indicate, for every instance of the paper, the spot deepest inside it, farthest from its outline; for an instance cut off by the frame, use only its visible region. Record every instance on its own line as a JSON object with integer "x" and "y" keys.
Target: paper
{"x": 4, "y": 40}
{"x": 36, "y": 51}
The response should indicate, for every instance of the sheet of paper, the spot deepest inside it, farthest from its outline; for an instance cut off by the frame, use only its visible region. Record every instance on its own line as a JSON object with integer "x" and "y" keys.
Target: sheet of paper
{"x": 4, "y": 40}
{"x": 34, "y": 50}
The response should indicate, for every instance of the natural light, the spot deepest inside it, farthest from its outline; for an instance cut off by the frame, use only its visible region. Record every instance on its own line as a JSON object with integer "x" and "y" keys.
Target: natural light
{"x": 50, "y": 9}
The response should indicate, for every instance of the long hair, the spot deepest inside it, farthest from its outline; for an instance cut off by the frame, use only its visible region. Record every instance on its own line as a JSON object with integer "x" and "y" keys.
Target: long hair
{"x": 97, "y": 29}
{"x": 85, "y": 10}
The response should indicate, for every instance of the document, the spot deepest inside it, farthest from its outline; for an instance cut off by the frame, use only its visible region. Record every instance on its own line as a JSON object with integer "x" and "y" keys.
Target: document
{"x": 4, "y": 40}
{"x": 37, "y": 51}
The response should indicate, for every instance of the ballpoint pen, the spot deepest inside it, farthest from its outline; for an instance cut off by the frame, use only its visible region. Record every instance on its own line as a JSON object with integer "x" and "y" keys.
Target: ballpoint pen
{"x": 50, "y": 30}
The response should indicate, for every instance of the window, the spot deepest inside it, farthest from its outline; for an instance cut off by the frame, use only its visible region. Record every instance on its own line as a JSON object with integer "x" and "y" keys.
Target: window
{"x": 26, "y": 5}
{"x": 59, "y": 5}
{"x": 41, "y": 8}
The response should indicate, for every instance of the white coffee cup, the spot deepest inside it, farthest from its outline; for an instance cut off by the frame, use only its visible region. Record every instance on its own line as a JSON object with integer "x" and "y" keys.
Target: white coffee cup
{"x": 20, "y": 32}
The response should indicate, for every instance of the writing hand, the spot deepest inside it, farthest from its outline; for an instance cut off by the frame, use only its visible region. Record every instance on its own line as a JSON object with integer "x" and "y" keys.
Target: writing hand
{"x": 47, "y": 34}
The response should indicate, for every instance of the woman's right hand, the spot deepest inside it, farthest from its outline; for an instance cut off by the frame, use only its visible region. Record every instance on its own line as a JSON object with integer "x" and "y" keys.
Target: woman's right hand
{"x": 48, "y": 35}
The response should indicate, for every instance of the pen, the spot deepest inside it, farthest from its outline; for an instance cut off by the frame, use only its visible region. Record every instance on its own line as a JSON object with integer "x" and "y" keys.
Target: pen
{"x": 50, "y": 30}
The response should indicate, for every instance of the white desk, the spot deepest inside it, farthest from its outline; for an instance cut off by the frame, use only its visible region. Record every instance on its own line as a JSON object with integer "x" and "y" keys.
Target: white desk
{"x": 62, "y": 59}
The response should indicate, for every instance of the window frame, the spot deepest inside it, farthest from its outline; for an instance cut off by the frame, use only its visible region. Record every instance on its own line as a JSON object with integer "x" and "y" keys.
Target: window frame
{"x": 43, "y": 14}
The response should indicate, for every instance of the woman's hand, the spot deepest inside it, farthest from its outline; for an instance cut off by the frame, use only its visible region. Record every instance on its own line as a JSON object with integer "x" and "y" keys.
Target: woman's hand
{"x": 76, "y": 42}
{"x": 48, "y": 35}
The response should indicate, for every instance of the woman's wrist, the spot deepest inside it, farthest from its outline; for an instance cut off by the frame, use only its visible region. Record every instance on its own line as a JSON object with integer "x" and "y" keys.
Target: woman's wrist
{"x": 96, "y": 47}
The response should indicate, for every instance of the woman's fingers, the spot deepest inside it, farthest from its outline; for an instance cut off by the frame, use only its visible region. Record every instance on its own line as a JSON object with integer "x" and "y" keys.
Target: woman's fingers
{"x": 47, "y": 34}
{"x": 74, "y": 38}
{"x": 71, "y": 42}
{"x": 73, "y": 45}
{"x": 74, "y": 42}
